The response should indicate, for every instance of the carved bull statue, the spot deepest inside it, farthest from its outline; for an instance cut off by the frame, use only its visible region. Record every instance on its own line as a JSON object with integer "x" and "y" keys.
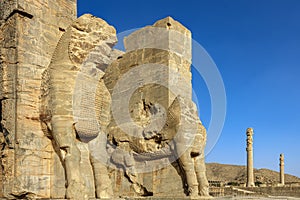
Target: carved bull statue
{"x": 76, "y": 108}
{"x": 75, "y": 102}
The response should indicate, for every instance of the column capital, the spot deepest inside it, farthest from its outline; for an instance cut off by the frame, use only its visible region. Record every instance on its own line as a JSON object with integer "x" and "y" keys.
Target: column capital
{"x": 249, "y": 132}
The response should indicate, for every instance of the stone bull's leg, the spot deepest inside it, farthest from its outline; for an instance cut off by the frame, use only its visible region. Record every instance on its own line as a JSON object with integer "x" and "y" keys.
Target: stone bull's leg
{"x": 201, "y": 175}
{"x": 187, "y": 164}
{"x": 126, "y": 160}
{"x": 102, "y": 180}
{"x": 132, "y": 175}
{"x": 64, "y": 135}
{"x": 99, "y": 158}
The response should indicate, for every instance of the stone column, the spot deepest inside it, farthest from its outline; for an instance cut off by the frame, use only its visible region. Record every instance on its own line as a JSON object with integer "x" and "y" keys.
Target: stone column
{"x": 281, "y": 164}
{"x": 249, "y": 149}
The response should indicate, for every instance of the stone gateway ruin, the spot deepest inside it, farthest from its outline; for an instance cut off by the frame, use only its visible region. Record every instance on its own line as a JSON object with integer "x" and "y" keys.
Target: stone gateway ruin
{"x": 81, "y": 119}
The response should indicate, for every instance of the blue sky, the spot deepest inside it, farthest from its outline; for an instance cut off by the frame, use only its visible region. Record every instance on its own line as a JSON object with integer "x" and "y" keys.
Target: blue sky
{"x": 256, "y": 47}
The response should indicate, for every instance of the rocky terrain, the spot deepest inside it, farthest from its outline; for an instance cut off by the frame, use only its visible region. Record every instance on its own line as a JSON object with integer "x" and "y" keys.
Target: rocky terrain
{"x": 237, "y": 173}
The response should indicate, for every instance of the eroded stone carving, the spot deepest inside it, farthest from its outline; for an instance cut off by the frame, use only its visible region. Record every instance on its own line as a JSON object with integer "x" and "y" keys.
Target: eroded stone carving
{"x": 77, "y": 113}
{"x": 69, "y": 115}
{"x": 190, "y": 153}
{"x": 161, "y": 121}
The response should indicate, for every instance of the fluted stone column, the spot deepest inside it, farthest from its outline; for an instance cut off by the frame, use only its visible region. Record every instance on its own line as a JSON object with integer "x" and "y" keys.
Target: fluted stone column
{"x": 281, "y": 164}
{"x": 249, "y": 149}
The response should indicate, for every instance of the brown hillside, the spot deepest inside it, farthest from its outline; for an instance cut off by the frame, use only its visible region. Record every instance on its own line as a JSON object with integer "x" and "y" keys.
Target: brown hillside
{"x": 237, "y": 173}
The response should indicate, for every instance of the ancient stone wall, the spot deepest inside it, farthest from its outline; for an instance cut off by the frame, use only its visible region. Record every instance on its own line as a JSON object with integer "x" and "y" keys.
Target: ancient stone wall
{"x": 60, "y": 134}
{"x": 287, "y": 191}
{"x": 30, "y": 30}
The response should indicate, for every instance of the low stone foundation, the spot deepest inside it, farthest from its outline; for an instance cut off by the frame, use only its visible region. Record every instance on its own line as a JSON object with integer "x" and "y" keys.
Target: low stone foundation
{"x": 286, "y": 191}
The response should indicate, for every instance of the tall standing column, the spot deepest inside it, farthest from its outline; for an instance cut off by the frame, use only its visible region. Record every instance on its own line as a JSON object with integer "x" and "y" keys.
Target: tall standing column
{"x": 281, "y": 164}
{"x": 249, "y": 149}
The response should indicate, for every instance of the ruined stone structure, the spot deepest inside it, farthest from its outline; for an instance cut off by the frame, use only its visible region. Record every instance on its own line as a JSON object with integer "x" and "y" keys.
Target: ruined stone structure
{"x": 29, "y": 32}
{"x": 249, "y": 149}
{"x": 281, "y": 165}
{"x": 82, "y": 120}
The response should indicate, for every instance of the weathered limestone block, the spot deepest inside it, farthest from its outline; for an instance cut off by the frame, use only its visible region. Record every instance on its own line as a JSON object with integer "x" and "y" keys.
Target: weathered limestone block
{"x": 7, "y": 8}
{"x": 29, "y": 31}
{"x": 166, "y": 34}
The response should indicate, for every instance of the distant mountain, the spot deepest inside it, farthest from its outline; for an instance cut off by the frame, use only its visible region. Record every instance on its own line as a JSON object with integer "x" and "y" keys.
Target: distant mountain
{"x": 238, "y": 173}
